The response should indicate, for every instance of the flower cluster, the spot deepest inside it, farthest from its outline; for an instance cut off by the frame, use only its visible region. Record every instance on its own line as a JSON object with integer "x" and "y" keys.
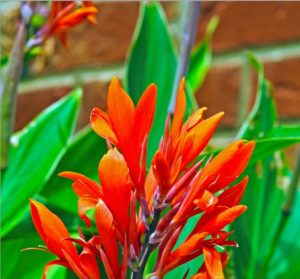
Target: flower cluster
{"x": 63, "y": 16}
{"x": 137, "y": 211}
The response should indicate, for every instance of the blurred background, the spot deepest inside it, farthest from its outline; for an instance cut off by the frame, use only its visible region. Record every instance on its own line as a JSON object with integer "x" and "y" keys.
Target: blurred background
{"x": 269, "y": 29}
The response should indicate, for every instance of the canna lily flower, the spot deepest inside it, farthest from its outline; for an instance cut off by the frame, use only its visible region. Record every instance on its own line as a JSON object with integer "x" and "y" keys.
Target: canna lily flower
{"x": 63, "y": 16}
{"x": 54, "y": 233}
{"x": 127, "y": 128}
{"x": 124, "y": 238}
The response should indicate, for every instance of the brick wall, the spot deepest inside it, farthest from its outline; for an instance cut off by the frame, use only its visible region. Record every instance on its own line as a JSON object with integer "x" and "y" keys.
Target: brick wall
{"x": 269, "y": 29}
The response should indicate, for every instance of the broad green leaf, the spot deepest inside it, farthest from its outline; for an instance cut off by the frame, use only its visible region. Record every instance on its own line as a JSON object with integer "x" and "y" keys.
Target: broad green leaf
{"x": 201, "y": 58}
{"x": 285, "y": 131}
{"x": 267, "y": 146}
{"x": 83, "y": 156}
{"x": 152, "y": 58}
{"x": 35, "y": 153}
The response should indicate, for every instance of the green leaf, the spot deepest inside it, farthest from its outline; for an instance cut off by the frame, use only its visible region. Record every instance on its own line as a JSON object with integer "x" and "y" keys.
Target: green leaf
{"x": 284, "y": 263}
{"x": 152, "y": 58}
{"x": 201, "y": 58}
{"x": 83, "y": 156}
{"x": 266, "y": 147}
{"x": 35, "y": 153}
{"x": 285, "y": 131}
{"x": 257, "y": 229}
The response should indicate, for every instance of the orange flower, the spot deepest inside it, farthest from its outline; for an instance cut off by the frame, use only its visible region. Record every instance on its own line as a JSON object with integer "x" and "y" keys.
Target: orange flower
{"x": 172, "y": 181}
{"x": 63, "y": 16}
{"x": 54, "y": 233}
{"x": 127, "y": 128}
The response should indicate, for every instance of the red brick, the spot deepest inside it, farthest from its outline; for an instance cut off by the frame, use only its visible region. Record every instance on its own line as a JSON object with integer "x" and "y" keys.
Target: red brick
{"x": 219, "y": 92}
{"x": 30, "y": 104}
{"x": 245, "y": 23}
{"x": 284, "y": 75}
{"x": 105, "y": 43}
{"x": 95, "y": 95}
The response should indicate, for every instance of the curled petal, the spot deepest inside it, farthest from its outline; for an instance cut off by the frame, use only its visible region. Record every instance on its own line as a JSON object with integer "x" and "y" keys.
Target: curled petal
{"x": 217, "y": 219}
{"x": 228, "y": 164}
{"x": 213, "y": 263}
{"x": 200, "y": 134}
{"x": 207, "y": 201}
{"x": 85, "y": 204}
{"x": 51, "y": 229}
{"x": 101, "y": 125}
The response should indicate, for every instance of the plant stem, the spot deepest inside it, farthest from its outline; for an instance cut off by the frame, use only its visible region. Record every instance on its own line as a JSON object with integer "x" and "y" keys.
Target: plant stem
{"x": 286, "y": 212}
{"x": 191, "y": 17}
{"x": 8, "y": 92}
{"x": 147, "y": 247}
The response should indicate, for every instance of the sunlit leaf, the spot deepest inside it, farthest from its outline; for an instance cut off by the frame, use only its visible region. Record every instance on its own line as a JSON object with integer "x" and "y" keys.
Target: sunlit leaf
{"x": 35, "y": 153}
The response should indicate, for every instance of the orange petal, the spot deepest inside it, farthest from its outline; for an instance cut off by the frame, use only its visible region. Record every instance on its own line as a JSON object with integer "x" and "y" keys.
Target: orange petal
{"x": 83, "y": 186}
{"x": 195, "y": 118}
{"x": 85, "y": 204}
{"x": 76, "y": 17}
{"x": 165, "y": 252}
{"x": 121, "y": 112}
{"x": 90, "y": 265}
{"x": 213, "y": 263}
{"x": 220, "y": 217}
{"x": 51, "y": 229}
{"x": 180, "y": 108}
{"x": 102, "y": 126}
{"x": 186, "y": 251}
{"x": 201, "y": 134}
{"x": 161, "y": 172}
{"x": 107, "y": 234}
{"x": 207, "y": 201}
{"x": 92, "y": 18}
{"x": 228, "y": 164}
{"x": 144, "y": 115}
{"x": 233, "y": 195}
{"x": 116, "y": 185}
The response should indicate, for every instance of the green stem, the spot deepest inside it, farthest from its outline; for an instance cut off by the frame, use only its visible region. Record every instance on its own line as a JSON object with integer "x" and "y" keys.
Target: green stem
{"x": 8, "y": 92}
{"x": 147, "y": 247}
{"x": 191, "y": 17}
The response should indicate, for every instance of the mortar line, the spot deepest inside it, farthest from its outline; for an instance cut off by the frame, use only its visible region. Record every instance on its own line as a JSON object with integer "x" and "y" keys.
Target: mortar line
{"x": 244, "y": 93}
{"x": 72, "y": 78}
{"x": 267, "y": 53}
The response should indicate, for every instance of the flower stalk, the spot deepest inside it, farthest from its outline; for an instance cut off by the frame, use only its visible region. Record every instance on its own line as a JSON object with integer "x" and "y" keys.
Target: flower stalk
{"x": 191, "y": 19}
{"x": 8, "y": 92}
